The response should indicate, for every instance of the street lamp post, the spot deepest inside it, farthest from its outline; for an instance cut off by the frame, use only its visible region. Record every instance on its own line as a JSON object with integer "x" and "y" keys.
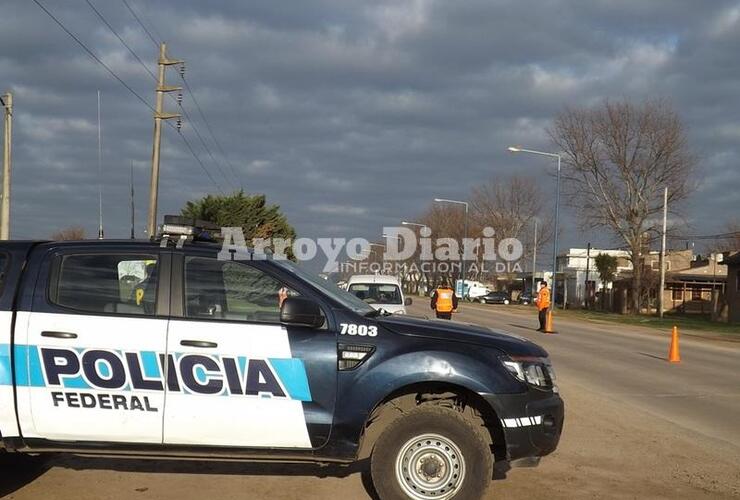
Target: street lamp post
{"x": 420, "y": 273}
{"x": 534, "y": 256}
{"x": 373, "y": 251}
{"x": 465, "y": 236}
{"x": 515, "y": 149}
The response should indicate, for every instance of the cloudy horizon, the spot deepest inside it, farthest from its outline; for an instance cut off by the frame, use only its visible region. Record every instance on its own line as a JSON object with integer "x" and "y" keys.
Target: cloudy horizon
{"x": 351, "y": 115}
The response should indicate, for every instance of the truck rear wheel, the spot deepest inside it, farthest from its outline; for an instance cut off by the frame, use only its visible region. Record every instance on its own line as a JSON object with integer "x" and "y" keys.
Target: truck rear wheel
{"x": 432, "y": 452}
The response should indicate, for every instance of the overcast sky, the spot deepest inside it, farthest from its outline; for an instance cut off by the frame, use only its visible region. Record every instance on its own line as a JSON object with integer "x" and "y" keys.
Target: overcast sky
{"x": 351, "y": 115}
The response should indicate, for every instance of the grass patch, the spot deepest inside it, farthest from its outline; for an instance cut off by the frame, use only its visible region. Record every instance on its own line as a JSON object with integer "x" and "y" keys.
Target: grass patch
{"x": 669, "y": 320}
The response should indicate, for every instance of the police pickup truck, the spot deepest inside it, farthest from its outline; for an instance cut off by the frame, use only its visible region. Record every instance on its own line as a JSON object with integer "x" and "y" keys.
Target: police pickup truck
{"x": 165, "y": 349}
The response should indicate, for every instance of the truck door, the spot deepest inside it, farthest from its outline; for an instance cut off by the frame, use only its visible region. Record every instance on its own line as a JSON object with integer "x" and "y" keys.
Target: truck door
{"x": 88, "y": 344}
{"x": 238, "y": 377}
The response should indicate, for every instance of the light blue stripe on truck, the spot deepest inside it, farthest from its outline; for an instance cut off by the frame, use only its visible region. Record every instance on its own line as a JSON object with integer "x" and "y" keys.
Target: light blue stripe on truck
{"x": 6, "y": 375}
{"x": 293, "y": 374}
{"x": 28, "y": 372}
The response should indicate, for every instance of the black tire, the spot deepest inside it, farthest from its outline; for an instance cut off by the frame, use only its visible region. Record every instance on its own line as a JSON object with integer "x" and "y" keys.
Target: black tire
{"x": 452, "y": 427}
{"x": 10, "y": 461}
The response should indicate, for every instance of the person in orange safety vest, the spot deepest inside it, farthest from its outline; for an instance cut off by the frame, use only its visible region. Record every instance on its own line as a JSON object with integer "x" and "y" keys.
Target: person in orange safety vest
{"x": 444, "y": 302}
{"x": 543, "y": 304}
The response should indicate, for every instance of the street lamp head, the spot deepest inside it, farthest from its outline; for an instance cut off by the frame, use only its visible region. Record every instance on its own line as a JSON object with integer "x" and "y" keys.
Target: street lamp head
{"x": 416, "y": 224}
{"x": 514, "y": 149}
{"x": 445, "y": 200}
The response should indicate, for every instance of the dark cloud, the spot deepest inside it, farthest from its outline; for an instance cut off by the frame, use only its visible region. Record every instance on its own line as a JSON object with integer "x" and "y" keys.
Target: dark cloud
{"x": 352, "y": 115}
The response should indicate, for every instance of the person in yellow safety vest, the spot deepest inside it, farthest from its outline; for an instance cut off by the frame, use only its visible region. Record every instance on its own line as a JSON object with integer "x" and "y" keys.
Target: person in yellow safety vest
{"x": 444, "y": 302}
{"x": 543, "y": 304}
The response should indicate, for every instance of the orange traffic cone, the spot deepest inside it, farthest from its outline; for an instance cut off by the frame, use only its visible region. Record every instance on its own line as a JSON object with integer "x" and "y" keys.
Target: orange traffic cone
{"x": 674, "y": 356}
{"x": 548, "y": 322}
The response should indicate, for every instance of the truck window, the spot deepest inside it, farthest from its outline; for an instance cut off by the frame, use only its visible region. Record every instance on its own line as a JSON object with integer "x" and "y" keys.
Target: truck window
{"x": 105, "y": 283}
{"x": 376, "y": 293}
{"x": 226, "y": 290}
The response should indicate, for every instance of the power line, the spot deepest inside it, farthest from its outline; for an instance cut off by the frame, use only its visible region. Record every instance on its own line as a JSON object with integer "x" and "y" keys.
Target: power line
{"x": 187, "y": 143}
{"x": 210, "y": 130}
{"x": 151, "y": 37}
{"x": 195, "y": 100}
{"x": 141, "y": 63}
{"x": 120, "y": 80}
{"x": 205, "y": 146}
{"x": 732, "y": 234}
{"x": 92, "y": 54}
{"x": 120, "y": 39}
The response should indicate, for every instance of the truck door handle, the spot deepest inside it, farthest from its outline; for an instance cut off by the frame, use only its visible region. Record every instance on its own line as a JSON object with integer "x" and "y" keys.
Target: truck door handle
{"x": 59, "y": 335}
{"x": 198, "y": 343}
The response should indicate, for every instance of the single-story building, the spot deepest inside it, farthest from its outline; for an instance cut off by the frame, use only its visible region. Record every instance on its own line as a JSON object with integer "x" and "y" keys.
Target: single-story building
{"x": 693, "y": 285}
{"x": 692, "y": 290}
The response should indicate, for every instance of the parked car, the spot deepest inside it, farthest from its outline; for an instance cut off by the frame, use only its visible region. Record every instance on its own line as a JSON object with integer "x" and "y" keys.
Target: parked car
{"x": 525, "y": 298}
{"x": 495, "y": 298}
{"x": 379, "y": 291}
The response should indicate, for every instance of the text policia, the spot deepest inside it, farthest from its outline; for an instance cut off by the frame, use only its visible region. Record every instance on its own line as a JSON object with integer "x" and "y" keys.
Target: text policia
{"x": 98, "y": 370}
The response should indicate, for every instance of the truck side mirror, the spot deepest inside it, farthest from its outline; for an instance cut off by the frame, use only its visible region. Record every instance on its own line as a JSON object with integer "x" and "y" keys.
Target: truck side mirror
{"x": 300, "y": 311}
{"x": 407, "y": 301}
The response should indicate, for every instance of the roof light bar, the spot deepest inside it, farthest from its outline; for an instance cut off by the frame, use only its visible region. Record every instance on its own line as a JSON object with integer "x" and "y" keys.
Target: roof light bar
{"x": 186, "y": 228}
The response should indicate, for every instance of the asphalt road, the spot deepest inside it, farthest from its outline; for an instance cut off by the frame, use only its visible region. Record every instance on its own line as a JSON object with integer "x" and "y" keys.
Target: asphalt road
{"x": 636, "y": 427}
{"x": 628, "y": 364}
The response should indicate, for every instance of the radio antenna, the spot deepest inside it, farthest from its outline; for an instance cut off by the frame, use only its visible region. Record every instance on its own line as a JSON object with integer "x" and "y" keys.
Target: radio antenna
{"x": 100, "y": 176}
{"x": 133, "y": 232}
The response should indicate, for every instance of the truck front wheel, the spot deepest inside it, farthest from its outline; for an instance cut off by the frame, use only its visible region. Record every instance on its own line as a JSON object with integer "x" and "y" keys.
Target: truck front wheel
{"x": 432, "y": 452}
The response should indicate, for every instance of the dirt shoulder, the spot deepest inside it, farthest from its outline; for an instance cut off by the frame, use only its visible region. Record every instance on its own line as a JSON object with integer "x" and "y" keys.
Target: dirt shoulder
{"x": 613, "y": 450}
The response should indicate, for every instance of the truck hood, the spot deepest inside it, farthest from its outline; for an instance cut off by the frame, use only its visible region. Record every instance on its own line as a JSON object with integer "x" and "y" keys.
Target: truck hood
{"x": 461, "y": 332}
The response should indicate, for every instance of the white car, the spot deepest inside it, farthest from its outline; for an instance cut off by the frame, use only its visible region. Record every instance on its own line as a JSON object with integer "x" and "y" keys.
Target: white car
{"x": 379, "y": 291}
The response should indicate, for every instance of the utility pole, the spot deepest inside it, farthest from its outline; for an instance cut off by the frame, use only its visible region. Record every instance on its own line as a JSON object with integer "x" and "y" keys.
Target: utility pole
{"x": 662, "y": 254}
{"x": 462, "y": 254}
{"x": 7, "y": 103}
{"x": 585, "y": 287}
{"x": 465, "y": 237}
{"x": 159, "y": 115}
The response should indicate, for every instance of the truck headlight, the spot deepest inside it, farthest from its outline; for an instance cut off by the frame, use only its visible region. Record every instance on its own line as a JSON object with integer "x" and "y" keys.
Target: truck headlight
{"x": 537, "y": 372}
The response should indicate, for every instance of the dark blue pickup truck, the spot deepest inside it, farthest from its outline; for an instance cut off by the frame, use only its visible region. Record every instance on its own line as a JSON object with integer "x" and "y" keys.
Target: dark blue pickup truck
{"x": 157, "y": 349}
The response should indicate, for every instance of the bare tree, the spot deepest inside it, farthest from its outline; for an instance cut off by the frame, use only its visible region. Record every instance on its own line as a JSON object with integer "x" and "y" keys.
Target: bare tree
{"x": 69, "y": 233}
{"x": 445, "y": 221}
{"x": 730, "y": 239}
{"x": 511, "y": 207}
{"x": 618, "y": 158}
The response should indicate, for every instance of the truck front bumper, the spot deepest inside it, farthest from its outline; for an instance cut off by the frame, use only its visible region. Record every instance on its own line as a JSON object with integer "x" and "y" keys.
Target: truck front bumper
{"x": 531, "y": 422}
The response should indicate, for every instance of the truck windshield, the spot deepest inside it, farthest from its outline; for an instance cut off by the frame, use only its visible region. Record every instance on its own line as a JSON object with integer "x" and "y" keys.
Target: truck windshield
{"x": 376, "y": 293}
{"x": 342, "y": 296}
